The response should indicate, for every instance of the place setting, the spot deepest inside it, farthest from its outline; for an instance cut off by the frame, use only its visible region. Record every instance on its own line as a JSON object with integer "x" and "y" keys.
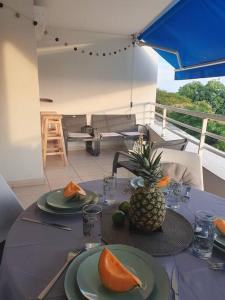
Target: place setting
{"x": 66, "y": 201}
{"x": 116, "y": 272}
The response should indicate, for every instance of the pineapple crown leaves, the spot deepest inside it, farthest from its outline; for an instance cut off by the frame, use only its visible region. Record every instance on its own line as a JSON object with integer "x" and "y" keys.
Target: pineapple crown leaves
{"x": 147, "y": 163}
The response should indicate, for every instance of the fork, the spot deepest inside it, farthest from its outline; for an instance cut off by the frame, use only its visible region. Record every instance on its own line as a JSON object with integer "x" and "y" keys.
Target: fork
{"x": 70, "y": 256}
{"x": 216, "y": 265}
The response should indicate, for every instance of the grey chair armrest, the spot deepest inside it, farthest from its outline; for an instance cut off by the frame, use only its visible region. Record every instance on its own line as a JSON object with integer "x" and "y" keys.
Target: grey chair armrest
{"x": 116, "y": 159}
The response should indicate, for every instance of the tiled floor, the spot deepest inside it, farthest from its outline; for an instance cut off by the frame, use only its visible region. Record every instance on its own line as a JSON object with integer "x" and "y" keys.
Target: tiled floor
{"x": 81, "y": 167}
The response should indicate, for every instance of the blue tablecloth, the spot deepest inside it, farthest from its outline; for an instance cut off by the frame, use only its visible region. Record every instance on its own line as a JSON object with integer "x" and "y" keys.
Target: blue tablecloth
{"x": 34, "y": 253}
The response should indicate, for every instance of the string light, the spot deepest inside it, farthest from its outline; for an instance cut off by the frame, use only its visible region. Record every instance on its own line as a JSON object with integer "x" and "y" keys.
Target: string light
{"x": 76, "y": 49}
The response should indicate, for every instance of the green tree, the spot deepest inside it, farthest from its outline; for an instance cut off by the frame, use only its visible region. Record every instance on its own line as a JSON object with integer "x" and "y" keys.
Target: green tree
{"x": 193, "y": 91}
{"x": 175, "y": 99}
{"x": 213, "y": 92}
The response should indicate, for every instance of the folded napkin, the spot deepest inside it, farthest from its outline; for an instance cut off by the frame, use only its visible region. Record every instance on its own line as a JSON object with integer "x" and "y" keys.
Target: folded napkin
{"x": 72, "y": 189}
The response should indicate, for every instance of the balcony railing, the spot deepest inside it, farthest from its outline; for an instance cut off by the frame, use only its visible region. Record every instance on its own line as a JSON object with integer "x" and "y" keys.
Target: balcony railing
{"x": 148, "y": 113}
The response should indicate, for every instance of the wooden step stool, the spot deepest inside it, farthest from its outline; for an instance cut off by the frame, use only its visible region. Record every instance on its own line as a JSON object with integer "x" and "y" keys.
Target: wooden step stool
{"x": 52, "y": 136}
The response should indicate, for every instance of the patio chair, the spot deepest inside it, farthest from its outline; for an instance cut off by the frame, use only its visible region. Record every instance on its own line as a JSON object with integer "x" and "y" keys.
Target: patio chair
{"x": 180, "y": 165}
{"x": 75, "y": 129}
{"x": 183, "y": 166}
{"x": 10, "y": 208}
{"x": 119, "y": 127}
{"x": 120, "y": 158}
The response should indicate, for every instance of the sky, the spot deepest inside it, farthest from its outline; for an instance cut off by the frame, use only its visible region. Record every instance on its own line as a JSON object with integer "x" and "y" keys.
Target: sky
{"x": 166, "y": 77}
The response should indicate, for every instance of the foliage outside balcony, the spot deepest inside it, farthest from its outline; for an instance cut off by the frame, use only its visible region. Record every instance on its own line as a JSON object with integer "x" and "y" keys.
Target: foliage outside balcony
{"x": 195, "y": 96}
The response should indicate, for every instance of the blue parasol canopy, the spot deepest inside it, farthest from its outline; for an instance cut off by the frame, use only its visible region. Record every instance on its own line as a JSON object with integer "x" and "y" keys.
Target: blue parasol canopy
{"x": 191, "y": 37}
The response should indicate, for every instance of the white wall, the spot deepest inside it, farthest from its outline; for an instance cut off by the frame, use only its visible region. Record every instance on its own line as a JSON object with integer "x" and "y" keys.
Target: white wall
{"x": 80, "y": 83}
{"x": 20, "y": 147}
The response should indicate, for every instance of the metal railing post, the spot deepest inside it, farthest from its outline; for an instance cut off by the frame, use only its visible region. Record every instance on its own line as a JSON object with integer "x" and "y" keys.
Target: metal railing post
{"x": 144, "y": 114}
{"x": 164, "y": 121}
{"x": 152, "y": 113}
{"x": 202, "y": 136}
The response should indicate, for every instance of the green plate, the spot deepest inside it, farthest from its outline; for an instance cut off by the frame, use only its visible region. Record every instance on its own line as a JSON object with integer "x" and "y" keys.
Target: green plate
{"x": 219, "y": 242}
{"x": 57, "y": 200}
{"x": 42, "y": 204}
{"x": 92, "y": 288}
{"x": 161, "y": 287}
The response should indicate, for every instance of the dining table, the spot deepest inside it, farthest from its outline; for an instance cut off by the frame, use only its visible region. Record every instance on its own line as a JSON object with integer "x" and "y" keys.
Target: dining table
{"x": 34, "y": 253}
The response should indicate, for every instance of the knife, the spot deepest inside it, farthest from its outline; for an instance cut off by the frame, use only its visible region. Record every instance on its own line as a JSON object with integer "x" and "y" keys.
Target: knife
{"x": 175, "y": 284}
{"x": 59, "y": 226}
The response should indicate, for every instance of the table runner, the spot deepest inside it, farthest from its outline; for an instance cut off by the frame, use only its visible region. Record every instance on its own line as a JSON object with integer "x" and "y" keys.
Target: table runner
{"x": 34, "y": 253}
{"x": 175, "y": 236}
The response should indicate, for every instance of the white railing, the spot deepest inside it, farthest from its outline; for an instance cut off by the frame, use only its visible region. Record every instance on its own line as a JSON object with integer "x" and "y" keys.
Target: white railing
{"x": 149, "y": 113}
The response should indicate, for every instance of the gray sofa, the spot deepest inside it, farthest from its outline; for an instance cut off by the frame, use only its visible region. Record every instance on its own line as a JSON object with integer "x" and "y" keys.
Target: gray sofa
{"x": 118, "y": 127}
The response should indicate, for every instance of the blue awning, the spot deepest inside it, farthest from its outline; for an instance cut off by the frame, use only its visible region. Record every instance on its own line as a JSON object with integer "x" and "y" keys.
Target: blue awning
{"x": 191, "y": 37}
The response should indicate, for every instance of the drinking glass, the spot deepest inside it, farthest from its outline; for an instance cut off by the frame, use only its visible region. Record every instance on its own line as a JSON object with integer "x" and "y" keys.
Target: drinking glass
{"x": 204, "y": 232}
{"x": 173, "y": 195}
{"x": 92, "y": 215}
{"x": 186, "y": 192}
{"x": 109, "y": 189}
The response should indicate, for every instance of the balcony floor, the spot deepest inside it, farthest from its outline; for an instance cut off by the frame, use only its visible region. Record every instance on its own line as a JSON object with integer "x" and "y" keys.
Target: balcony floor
{"x": 81, "y": 167}
{"x": 84, "y": 167}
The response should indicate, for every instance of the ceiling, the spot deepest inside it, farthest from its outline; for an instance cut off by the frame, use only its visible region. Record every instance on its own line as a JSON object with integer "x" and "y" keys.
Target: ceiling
{"x": 108, "y": 16}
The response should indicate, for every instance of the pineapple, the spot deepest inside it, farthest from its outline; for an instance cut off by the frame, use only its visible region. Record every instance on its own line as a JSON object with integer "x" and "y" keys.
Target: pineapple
{"x": 147, "y": 204}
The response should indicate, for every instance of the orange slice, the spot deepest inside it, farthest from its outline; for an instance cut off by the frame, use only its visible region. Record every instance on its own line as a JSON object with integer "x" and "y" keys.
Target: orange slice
{"x": 72, "y": 189}
{"x": 220, "y": 225}
{"x": 163, "y": 182}
{"x": 114, "y": 275}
